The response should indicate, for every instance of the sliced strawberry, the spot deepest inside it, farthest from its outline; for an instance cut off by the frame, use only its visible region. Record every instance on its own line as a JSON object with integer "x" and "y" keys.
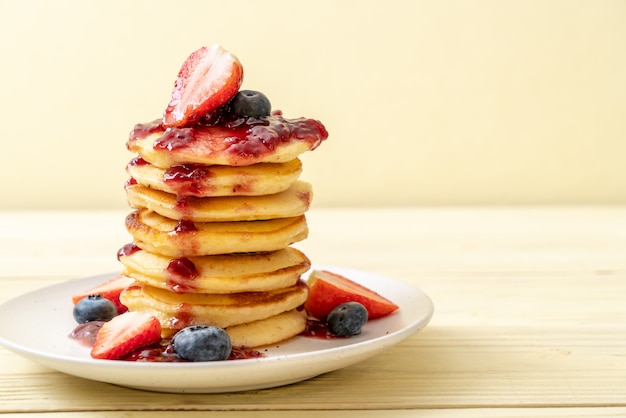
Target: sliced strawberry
{"x": 126, "y": 333}
{"x": 209, "y": 78}
{"x": 328, "y": 290}
{"x": 110, "y": 290}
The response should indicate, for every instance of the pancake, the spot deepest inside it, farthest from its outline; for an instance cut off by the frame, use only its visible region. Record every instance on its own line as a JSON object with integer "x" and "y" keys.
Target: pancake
{"x": 269, "y": 331}
{"x": 161, "y": 235}
{"x": 216, "y": 180}
{"x": 264, "y": 332}
{"x": 179, "y": 310}
{"x": 292, "y": 202}
{"x": 241, "y": 142}
{"x": 230, "y": 273}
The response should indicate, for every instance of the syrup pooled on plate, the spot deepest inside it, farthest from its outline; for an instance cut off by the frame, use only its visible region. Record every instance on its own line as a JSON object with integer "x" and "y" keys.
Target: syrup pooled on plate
{"x": 161, "y": 352}
{"x": 318, "y": 329}
{"x": 85, "y": 334}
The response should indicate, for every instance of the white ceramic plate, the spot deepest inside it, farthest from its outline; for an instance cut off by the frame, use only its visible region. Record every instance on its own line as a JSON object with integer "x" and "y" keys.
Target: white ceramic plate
{"x": 36, "y": 325}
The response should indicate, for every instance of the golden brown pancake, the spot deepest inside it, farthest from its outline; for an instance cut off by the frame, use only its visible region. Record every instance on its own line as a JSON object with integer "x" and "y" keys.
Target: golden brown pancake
{"x": 179, "y": 310}
{"x": 292, "y": 202}
{"x": 216, "y": 180}
{"x": 229, "y": 273}
{"x": 264, "y": 332}
{"x": 161, "y": 235}
{"x": 268, "y": 331}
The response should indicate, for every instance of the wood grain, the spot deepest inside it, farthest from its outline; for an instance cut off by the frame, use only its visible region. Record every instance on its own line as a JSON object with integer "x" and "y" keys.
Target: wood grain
{"x": 530, "y": 317}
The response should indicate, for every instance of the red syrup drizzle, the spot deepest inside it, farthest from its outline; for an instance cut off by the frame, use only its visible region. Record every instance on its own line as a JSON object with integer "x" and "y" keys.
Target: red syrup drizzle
{"x": 187, "y": 179}
{"x": 163, "y": 352}
{"x": 318, "y": 329}
{"x": 181, "y": 275}
{"x": 175, "y": 138}
{"x": 183, "y": 317}
{"x": 256, "y": 137}
{"x": 85, "y": 334}
{"x": 142, "y": 130}
{"x": 126, "y": 250}
{"x": 184, "y": 225}
{"x": 138, "y": 161}
{"x": 182, "y": 205}
{"x": 130, "y": 182}
{"x": 160, "y": 352}
{"x": 242, "y": 187}
{"x": 241, "y": 136}
{"x": 305, "y": 197}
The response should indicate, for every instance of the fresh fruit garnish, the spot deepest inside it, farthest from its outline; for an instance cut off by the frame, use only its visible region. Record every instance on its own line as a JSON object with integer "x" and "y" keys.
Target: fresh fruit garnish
{"x": 94, "y": 308}
{"x": 110, "y": 290}
{"x": 202, "y": 343}
{"x": 347, "y": 319}
{"x": 209, "y": 78}
{"x": 251, "y": 103}
{"x": 126, "y": 333}
{"x": 328, "y": 290}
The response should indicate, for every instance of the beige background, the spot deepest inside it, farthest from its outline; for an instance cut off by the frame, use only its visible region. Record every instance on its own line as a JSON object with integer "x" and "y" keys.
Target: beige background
{"x": 427, "y": 102}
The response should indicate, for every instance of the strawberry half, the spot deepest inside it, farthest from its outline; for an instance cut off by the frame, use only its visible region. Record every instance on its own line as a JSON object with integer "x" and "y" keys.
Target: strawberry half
{"x": 110, "y": 290}
{"x": 328, "y": 290}
{"x": 209, "y": 78}
{"x": 126, "y": 333}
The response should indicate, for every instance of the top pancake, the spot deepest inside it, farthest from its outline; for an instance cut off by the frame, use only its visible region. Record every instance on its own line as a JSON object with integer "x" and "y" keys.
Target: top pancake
{"x": 241, "y": 142}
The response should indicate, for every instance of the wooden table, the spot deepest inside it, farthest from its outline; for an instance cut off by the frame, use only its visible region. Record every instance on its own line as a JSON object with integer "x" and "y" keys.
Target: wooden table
{"x": 530, "y": 315}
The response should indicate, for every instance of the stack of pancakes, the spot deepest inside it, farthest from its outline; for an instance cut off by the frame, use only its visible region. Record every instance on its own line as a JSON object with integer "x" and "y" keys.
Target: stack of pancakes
{"x": 212, "y": 233}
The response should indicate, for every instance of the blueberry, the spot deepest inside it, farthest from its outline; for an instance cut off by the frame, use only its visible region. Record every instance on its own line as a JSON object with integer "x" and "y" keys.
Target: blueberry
{"x": 94, "y": 308}
{"x": 202, "y": 343}
{"x": 250, "y": 103}
{"x": 347, "y": 319}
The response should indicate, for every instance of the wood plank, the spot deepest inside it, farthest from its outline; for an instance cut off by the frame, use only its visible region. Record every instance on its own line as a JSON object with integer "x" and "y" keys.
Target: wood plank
{"x": 529, "y": 319}
{"x": 465, "y": 239}
{"x": 525, "y": 298}
{"x": 604, "y": 412}
{"x": 442, "y": 367}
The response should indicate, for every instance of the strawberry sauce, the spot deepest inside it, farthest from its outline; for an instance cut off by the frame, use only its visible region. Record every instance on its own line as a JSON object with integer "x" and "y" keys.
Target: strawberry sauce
{"x": 137, "y": 161}
{"x": 161, "y": 352}
{"x": 318, "y": 329}
{"x": 184, "y": 225}
{"x": 183, "y": 317}
{"x": 85, "y": 334}
{"x": 181, "y": 275}
{"x": 175, "y": 138}
{"x": 144, "y": 129}
{"x": 128, "y": 249}
{"x": 187, "y": 179}
{"x": 244, "y": 137}
{"x": 130, "y": 182}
